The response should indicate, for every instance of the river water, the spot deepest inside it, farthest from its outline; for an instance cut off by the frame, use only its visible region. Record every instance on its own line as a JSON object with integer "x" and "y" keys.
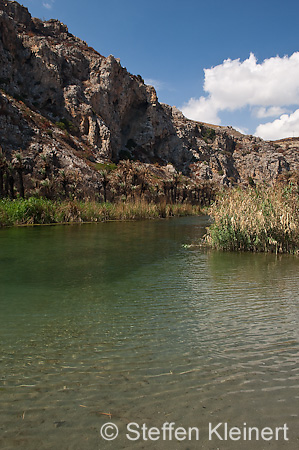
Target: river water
{"x": 125, "y": 323}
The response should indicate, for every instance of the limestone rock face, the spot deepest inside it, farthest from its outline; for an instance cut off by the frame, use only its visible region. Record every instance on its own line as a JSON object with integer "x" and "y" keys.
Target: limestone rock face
{"x": 59, "y": 95}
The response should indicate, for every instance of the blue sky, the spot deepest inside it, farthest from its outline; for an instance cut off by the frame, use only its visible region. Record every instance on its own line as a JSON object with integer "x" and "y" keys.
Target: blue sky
{"x": 231, "y": 63}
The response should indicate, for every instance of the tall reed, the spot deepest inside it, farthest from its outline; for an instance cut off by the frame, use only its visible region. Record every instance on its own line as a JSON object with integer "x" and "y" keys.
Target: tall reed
{"x": 43, "y": 211}
{"x": 256, "y": 219}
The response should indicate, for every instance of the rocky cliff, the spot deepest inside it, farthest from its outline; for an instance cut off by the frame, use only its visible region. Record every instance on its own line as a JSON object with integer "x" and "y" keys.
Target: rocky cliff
{"x": 66, "y": 111}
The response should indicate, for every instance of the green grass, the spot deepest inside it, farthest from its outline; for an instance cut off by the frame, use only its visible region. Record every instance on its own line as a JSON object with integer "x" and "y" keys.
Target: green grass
{"x": 31, "y": 211}
{"x": 260, "y": 220}
{"x": 44, "y": 211}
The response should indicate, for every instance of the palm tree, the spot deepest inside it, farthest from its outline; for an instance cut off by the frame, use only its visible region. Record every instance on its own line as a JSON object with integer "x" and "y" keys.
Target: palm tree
{"x": 9, "y": 181}
{"x": 18, "y": 165}
{"x": 64, "y": 182}
{"x": 105, "y": 182}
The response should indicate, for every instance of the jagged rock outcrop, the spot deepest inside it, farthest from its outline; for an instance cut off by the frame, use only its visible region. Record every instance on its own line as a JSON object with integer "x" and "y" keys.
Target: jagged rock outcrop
{"x": 65, "y": 107}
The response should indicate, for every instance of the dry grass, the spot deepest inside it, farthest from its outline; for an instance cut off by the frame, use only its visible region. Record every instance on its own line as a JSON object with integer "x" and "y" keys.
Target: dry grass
{"x": 260, "y": 220}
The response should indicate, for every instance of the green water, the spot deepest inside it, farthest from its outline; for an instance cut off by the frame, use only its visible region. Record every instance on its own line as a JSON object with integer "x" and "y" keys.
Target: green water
{"x": 123, "y": 319}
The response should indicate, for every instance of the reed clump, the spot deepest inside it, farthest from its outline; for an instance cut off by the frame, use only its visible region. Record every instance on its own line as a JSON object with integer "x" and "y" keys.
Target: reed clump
{"x": 44, "y": 211}
{"x": 256, "y": 219}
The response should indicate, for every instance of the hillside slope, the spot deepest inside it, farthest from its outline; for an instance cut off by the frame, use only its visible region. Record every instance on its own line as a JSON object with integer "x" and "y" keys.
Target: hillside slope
{"x": 66, "y": 110}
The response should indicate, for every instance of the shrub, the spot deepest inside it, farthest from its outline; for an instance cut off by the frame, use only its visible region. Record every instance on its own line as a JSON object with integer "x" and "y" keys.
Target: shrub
{"x": 208, "y": 134}
{"x": 66, "y": 125}
{"x": 109, "y": 167}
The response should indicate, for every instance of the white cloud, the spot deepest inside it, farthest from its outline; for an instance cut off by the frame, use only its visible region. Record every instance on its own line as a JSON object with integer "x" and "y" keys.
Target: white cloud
{"x": 273, "y": 82}
{"x": 286, "y": 126}
{"x": 158, "y": 85}
{"x": 242, "y": 130}
{"x": 203, "y": 110}
{"x": 267, "y": 88}
{"x": 272, "y": 111}
{"x": 48, "y": 5}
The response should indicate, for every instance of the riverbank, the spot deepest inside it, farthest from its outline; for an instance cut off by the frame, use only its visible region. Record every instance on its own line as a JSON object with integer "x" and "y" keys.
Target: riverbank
{"x": 43, "y": 211}
{"x": 256, "y": 219}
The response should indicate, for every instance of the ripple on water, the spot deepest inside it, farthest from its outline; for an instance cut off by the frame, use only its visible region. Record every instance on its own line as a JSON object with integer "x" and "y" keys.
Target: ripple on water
{"x": 146, "y": 330}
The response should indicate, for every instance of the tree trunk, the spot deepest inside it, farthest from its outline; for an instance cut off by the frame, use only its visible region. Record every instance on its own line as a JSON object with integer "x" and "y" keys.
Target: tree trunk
{"x": 22, "y": 191}
{"x": 1, "y": 184}
{"x": 11, "y": 183}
